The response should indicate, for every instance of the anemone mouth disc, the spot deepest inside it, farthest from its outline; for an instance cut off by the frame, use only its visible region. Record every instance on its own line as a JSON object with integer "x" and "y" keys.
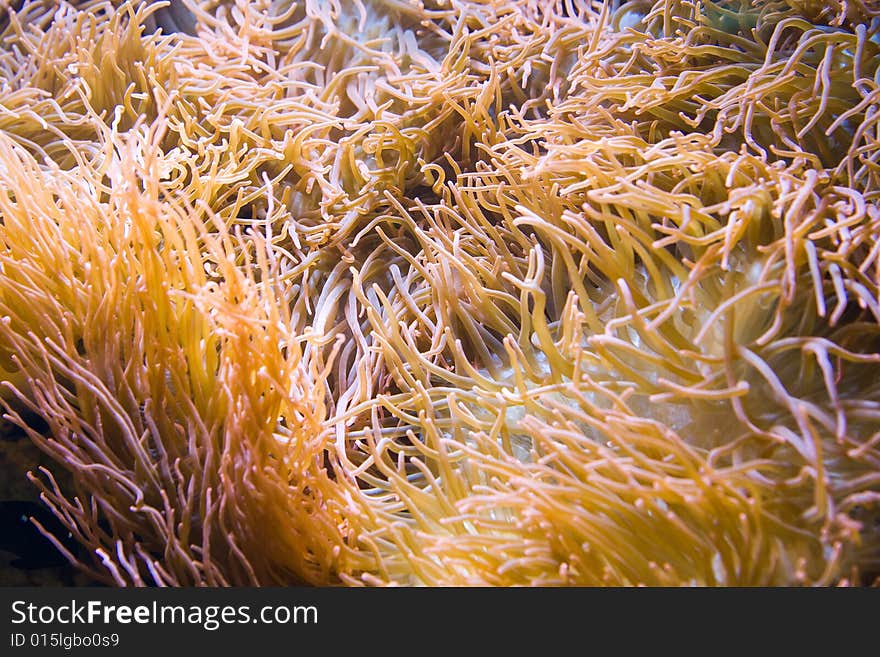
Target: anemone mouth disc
{"x": 446, "y": 292}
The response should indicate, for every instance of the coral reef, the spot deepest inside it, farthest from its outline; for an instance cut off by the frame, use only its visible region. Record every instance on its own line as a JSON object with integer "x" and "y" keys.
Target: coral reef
{"x": 447, "y": 292}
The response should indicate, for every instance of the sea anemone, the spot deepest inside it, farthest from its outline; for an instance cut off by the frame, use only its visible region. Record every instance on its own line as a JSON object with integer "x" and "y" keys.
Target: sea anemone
{"x": 447, "y": 292}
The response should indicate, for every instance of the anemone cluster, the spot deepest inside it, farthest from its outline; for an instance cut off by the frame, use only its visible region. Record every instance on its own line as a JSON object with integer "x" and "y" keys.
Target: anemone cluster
{"x": 447, "y": 292}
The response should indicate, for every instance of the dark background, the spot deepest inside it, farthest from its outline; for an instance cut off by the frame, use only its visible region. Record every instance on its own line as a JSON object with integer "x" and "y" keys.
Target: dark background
{"x": 27, "y": 558}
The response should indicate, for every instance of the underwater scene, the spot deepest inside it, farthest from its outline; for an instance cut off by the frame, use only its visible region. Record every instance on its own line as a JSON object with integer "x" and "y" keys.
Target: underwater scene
{"x": 440, "y": 292}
